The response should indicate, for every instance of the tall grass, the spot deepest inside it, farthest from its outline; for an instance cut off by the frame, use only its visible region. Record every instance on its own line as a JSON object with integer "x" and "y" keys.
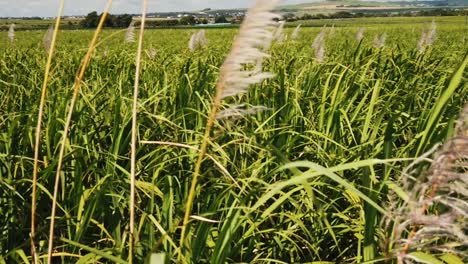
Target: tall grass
{"x": 134, "y": 131}
{"x": 305, "y": 180}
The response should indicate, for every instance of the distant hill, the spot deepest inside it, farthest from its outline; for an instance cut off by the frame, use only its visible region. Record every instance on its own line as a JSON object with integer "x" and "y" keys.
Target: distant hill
{"x": 331, "y": 6}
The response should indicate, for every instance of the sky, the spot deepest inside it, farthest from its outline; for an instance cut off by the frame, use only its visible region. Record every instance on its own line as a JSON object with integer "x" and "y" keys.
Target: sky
{"x": 46, "y": 8}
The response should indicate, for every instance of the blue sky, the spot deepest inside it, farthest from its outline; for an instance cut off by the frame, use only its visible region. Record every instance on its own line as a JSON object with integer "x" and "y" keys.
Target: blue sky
{"x": 79, "y": 7}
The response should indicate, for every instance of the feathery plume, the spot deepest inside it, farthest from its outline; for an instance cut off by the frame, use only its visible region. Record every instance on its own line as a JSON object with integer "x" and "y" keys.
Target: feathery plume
{"x": 151, "y": 53}
{"x": 320, "y": 54}
{"x": 320, "y": 38}
{"x": 254, "y": 37}
{"x": 295, "y": 33}
{"x": 360, "y": 34}
{"x": 379, "y": 42}
{"x": 11, "y": 33}
{"x": 279, "y": 36}
{"x": 421, "y": 46}
{"x": 319, "y": 45}
{"x": 436, "y": 208}
{"x": 198, "y": 40}
{"x": 130, "y": 34}
{"x": 202, "y": 38}
{"x": 192, "y": 42}
{"x": 427, "y": 37}
{"x": 237, "y": 73}
{"x": 47, "y": 40}
{"x": 238, "y": 111}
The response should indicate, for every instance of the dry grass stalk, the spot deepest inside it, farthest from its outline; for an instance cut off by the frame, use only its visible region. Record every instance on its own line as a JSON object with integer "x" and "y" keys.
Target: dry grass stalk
{"x": 295, "y": 33}
{"x": 76, "y": 91}
{"x": 198, "y": 40}
{"x": 11, "y": 33}
{"x": 254, "y": 36}
{"x": 436, "y": 209}
{"x": 47, "y": 40}
{"x": 134, "y": 133}
{"x": 360, "y": 34}
{"x": 130, "y": 33}
{"x": 379, "y": 42}
{"x": 37, "y": 140}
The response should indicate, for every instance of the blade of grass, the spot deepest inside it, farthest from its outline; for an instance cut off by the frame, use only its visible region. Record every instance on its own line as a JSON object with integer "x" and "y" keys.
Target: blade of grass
{"x": 440, "y": 104}
{"x": 95, "y": 251}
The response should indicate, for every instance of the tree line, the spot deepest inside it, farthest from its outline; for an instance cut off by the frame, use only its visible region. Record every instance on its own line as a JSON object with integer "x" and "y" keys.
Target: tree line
{"x": 115, "y": 21}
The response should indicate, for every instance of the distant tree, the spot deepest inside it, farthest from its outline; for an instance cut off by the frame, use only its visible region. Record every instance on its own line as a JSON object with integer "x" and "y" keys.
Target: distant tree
{"x": 123, "y": 21}
{"x": 341, "y": 14}
{"x": 120, "y": 21}
{"x": 91, "y": 20}
{"x": 188, "y": 20}
{"x": 109, "y": 22}
{"x": 221, "y": 19}
{"x": 204, "y": 21}
{"x": 289, "y": 17}
{"x": 70, "y": 24}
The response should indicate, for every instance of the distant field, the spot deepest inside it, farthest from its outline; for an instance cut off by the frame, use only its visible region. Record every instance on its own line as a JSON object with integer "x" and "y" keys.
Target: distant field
{"x": 459, "y": 21}
{"x": 328, "y": 7}
{"x": 31, "y": 24}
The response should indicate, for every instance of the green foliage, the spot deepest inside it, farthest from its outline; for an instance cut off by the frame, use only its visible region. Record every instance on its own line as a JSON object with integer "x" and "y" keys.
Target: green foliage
{"x": 355, "y": 119}
{"x": 92, "y": 20}
{"x": 221, "y": 19}
{"x": 188, "y": 20}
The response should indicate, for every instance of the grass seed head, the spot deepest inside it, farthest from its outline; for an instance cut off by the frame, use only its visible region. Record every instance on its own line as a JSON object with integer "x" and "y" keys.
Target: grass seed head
{"x": 319, "y": 45}
{"x": 295, "y": 33}
{"x": 47, "y": 40}
{"x": 360, "y": 34}
{"x": 428, "y": 37}
{"x": 379, "y": 42}
{"x": 130, "y": 33}
{"x": 436, "y": 208}
{"x": 255, "y": 37}
{"x": 198, "y": 40}
{"x": 238, "y": 111}
{"x": 279, "y": 36}
{"x": 11, "y": 33}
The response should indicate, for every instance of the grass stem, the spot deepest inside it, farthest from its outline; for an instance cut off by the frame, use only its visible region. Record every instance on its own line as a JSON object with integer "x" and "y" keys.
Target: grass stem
{"x": 37, "y": 141}
{"x": 134, "y": 134}
{"x": 76, "y": 90}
